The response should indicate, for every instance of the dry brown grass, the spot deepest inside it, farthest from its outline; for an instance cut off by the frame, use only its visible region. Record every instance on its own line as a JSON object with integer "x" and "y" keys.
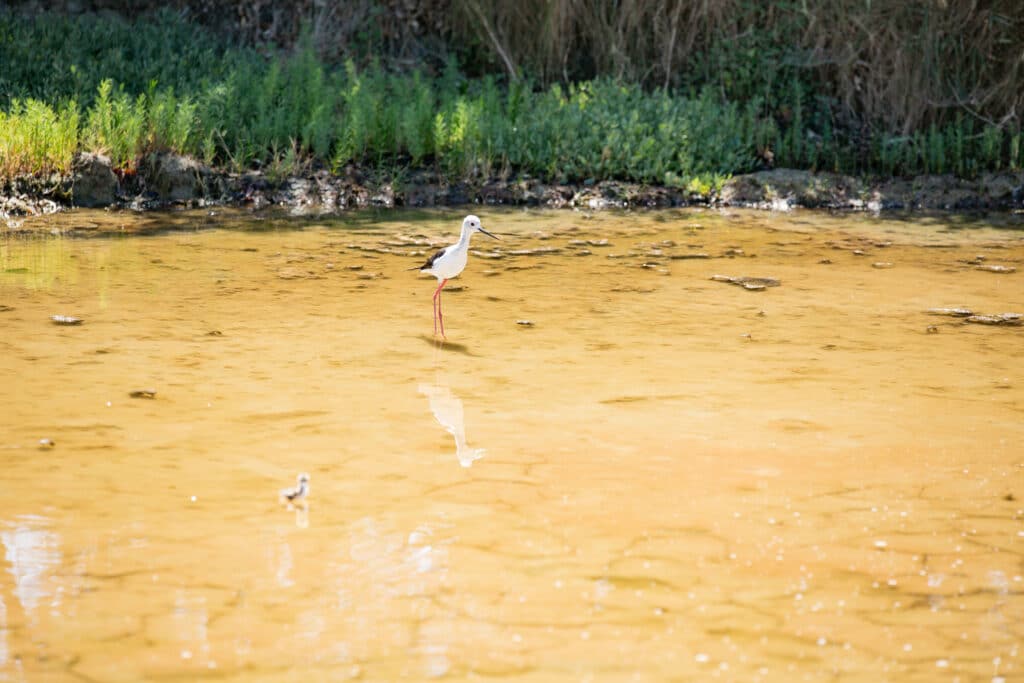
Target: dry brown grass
{"x": 901, "y": 64}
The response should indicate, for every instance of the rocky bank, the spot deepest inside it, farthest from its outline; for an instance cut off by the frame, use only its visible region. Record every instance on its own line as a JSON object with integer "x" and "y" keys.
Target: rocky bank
{"x": 165, "y": 180}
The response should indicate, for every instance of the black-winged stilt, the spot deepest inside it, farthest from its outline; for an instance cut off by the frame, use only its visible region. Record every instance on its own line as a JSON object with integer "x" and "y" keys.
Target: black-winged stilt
{"x": 449, "y": 262}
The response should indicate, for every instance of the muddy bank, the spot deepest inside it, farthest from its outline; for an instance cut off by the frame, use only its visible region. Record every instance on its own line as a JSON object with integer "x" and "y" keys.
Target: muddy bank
{"x": 164, "y": 180}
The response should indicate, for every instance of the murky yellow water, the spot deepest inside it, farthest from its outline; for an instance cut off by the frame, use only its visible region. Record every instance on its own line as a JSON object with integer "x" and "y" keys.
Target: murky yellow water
{"x": 664, "y": 477}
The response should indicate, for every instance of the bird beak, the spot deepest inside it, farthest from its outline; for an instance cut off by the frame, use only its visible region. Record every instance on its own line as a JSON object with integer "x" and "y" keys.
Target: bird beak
{"x": 489, "y": 234}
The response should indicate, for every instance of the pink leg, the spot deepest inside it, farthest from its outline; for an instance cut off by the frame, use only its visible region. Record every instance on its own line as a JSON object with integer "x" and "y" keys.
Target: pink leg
{"x": 438, "y": 317}
{"x": 440, "y": 314}
{"x": 435, "y": 314}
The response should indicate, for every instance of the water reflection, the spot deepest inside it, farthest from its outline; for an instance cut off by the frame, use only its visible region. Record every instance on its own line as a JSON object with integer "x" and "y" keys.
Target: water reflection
{"x": 31, "y": 552}
{"x": 302, "y": 515}
{"x": 3, "y": 632}
{"x": 301, "y": 510}
{"x": 448, "y": 411}
{"x": 284, "y": 564}
{"x": 191, "y": 625}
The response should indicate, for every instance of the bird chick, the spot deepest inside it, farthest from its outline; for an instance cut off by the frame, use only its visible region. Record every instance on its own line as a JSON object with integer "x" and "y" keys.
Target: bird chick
{"x": 298, "y": 492}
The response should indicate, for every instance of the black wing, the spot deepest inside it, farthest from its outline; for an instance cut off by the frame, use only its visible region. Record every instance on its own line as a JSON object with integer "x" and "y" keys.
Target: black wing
{"x": 430, "y": 261}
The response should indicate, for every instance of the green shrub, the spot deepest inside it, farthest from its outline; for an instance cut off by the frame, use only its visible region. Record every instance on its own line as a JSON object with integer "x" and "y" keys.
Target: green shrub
{"x": 116, "y": 125}
{"x": 744, "y": 100}
{"x": 34, "y": 137}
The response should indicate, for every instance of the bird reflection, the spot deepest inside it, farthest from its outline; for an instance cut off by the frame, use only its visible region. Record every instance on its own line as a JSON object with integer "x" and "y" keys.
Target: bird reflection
{"x": 33, "y": 552}
{"x": 447, "y": 409}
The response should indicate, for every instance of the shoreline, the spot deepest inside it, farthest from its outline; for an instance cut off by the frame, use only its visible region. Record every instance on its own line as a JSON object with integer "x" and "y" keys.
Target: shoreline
{"x": 164, "y": 181}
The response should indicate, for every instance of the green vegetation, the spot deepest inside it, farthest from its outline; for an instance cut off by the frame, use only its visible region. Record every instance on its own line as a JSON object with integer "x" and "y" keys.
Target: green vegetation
{"x": 36, "y": 138}
{"x": 85, "y": 83}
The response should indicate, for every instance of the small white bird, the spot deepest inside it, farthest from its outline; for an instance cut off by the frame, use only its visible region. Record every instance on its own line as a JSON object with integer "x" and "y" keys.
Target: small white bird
{"x": 449, "y": 262}
{"x": 300, "y": 491}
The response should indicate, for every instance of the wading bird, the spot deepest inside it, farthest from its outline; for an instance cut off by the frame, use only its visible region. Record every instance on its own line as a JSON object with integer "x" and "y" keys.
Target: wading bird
{"x": 449, "y": 262}
{"x": 300, "y": 491}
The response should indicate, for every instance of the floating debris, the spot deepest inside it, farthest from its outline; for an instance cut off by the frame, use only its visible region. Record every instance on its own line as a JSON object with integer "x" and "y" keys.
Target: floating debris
{"x": 525, "y": 323}
{"x": 4, "y": 308}
{"x": 143, "y": 393}
{"x": 998, "y": 319}
{"x": 954, "y": 312}
{"x": 997, "y": 269}
{"x": 976, "y": 261}
{"x": 825, "y": 262}
{"x": 47, "y": 444}
{"x": 751, "y": 283}
{"x": 881, "y": 264}
{"x": 931, "y": 329}
{"x": 681, "y": 257}
{"x": 733, "y": 251}
{"x": 214, "y": 333}
{"x": 66, "y": 320}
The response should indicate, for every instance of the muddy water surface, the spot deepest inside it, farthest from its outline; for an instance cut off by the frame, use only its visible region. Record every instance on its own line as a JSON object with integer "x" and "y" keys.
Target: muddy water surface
{"x": 660, "y": 477}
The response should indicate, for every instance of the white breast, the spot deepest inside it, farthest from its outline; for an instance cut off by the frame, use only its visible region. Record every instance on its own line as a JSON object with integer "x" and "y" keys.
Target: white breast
{"x": 450, "y": 264}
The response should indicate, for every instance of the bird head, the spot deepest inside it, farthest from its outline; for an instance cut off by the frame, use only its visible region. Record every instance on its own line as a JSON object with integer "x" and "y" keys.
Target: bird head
{"x": 472, "y": 224}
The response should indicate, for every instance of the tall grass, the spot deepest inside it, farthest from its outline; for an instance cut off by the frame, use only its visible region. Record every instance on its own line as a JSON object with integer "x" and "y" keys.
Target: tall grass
{"x": 37, "y": 137}
{"x": 125, "y": 128}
